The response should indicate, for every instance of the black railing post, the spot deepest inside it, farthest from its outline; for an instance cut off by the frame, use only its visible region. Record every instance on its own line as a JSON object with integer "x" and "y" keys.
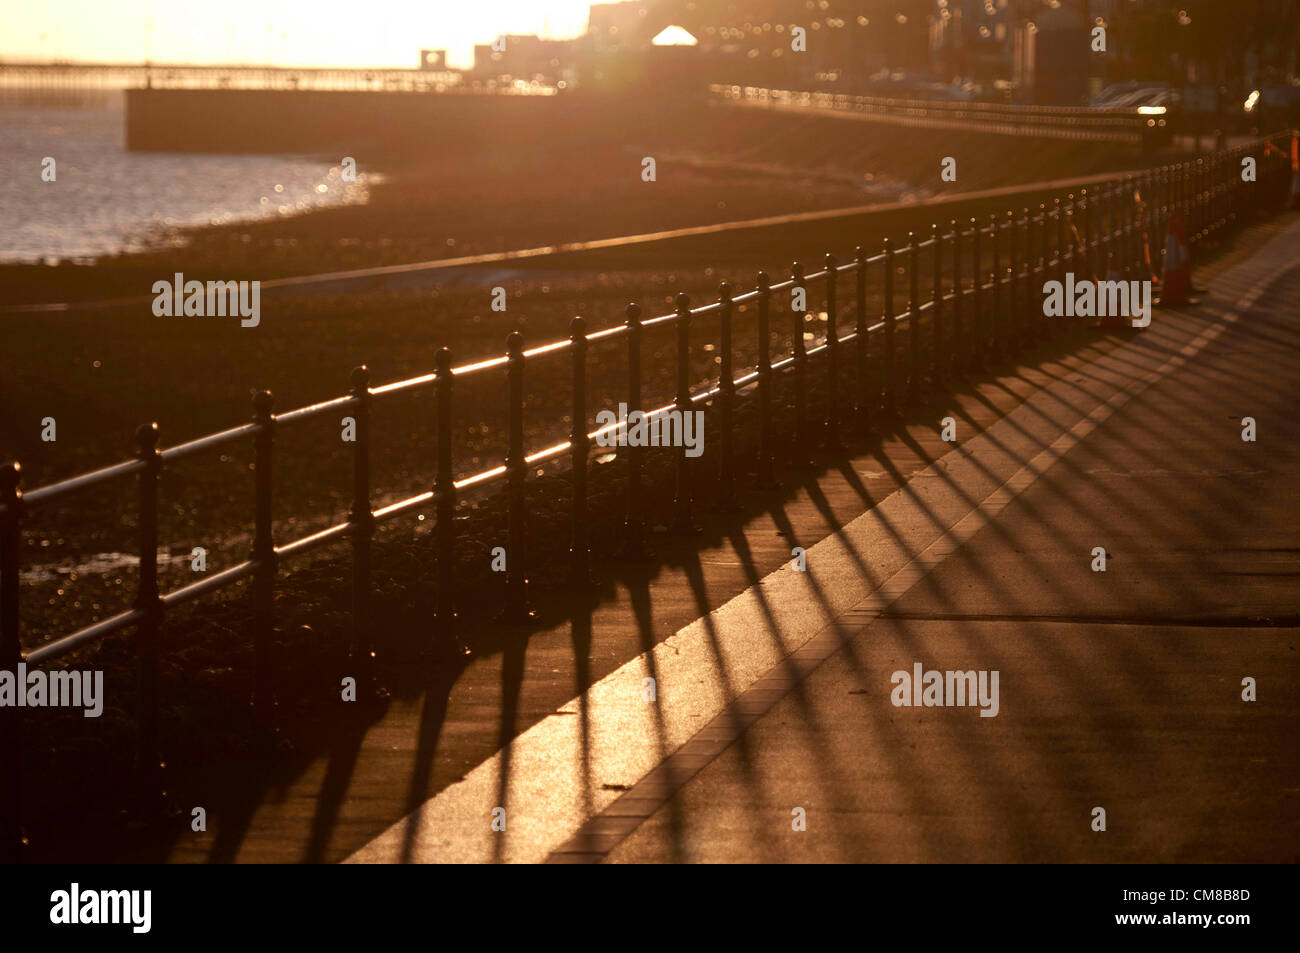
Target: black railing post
{"x": 766, "y": 479}
{"x": 995, "y": 292}
{"x": 936, "y": 314}
{"x": 1072, "y": 255}
{"x": 1126, "y": 226}
{"x": 11, "y": 654}
{"x": 516, "y": 609}
{"x": 446, "y": 638}
{"x": 1162, "y": 216}
{"x": 977, "y": 296}
{"x": 1059, "y": 251}
{"x": 1198, "y": 183}
{"x": 913, "y": 320}
{"x": 1085, "y": 232}
{"x": 148, "y": 758}
{"x": 1012, "y": 307}
{"x": 579, "y": 447}
{"x": 887, "y": 367}
{"x": 634, "y": 544}
{"x": 362, "y": 532}
{"x": 726, "y": 497}
{"x": 1029, "y": 305}
{"x": 832, "y": 356}
{"x": 800, "y": 356}
{"x": 866, "y": 401}
{"x": 1042, "y": 328}
{"x": 683, "y": 521}
{"x": 956, "y": 349}
{"x": 264, "y": 559}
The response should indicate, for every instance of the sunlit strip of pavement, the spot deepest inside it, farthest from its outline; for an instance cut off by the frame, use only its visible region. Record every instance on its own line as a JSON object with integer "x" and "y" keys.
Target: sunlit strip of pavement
{"x": 1163, "y": 691}
{"x": 551, "y": 781}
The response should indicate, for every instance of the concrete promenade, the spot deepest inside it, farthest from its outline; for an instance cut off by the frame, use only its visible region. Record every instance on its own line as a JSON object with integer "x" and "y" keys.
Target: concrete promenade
{"x": 686, "y": 713}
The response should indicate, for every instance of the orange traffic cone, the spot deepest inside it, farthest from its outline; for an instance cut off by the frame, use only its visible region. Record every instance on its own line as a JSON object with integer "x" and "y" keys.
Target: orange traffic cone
{"x": 1177, "y": 286}
{"x": 1295, "y": 168}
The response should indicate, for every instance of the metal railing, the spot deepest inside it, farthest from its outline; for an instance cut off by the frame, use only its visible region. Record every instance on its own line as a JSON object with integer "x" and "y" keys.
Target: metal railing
{"x": 978, "y": 307}
{"x": 1061, "y": 122}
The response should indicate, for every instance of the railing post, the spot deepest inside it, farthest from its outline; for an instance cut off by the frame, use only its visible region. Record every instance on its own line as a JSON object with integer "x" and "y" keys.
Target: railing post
{"x": 516, "y": 609}
{"x": 1162, "y": 212}
{"x": 1070, "y": 231}
{"x": 936, "y": 313}
{"x": 1042, "y": 328}
{"x": 579, "y": 446}
{"x": 362, "y": 532}
{"x": 1085, "y": 232}
{"x": 977, "y": 303}
{"x": 832, "y": 356}
{"x": 1126, "y": 224}
{"x": 1200, "y": 196}
{"x": 995, "y": 293}
{"x": 766, "y": 478}
{"x": 264, "y": 559}
{"x": 683, "y": 520}
{"x": 887, "y": 371}
{"x": 446, "y": 638}
{"x": 149, "y": 763}
{"x": 913, "y": 320}
{"x": 800, "y": 355}
{"x": 1058, "y": 253}
{"x": 634, "y": 544}
{"x": 956, "y": 350}
{"x": 1015, "y": 288}
{"x": 865, "y": 402}
{"x": 726, "y": 497}
{"x": 1029, "y": 292}
{"x": 11, "y": 654}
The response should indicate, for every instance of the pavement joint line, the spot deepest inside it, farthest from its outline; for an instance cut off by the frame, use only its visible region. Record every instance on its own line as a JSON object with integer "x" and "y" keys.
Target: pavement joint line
{"x": 553, "y": 788}
{"x": 958, "y": 535}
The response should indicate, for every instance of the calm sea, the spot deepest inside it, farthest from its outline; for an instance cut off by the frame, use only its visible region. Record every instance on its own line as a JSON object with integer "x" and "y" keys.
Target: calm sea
{"x": 106, "y": 200}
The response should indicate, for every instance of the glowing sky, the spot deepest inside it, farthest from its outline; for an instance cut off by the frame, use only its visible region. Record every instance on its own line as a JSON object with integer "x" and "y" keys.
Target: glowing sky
{"x": 284, "y": 32}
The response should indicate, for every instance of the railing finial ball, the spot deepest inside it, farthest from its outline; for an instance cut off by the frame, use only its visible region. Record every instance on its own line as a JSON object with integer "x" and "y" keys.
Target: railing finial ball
{"x": 578, "y": 326}
{"x": 360, "y": 376}
{"x": 515, "y": 343}
{"x": 831, "y": 260}
{"x": 763, "y": 281}
{"x": 683, "y": 301}
{"x": 146, "y": 436}
{"x": 633, "y": 311}
{"x": 263, "y": 401}
{"x": 442, "y": 360}
{"x": 796, "y": 270}
{"x": 724, "y": 289}
{"x": 10, "y": 474}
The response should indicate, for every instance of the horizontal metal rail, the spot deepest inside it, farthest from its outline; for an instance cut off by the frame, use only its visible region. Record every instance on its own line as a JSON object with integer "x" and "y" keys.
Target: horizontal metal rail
{"x": 1075, "y": 122}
